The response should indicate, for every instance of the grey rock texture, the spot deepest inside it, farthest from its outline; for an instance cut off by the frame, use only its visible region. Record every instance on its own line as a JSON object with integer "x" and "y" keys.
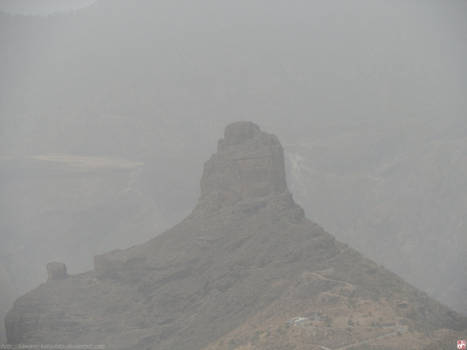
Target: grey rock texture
{"x": 56, "y": 271}
{"x": 7, "y": 297}
{"x": 246, "y": 246}
{"x": 248, "y": 164}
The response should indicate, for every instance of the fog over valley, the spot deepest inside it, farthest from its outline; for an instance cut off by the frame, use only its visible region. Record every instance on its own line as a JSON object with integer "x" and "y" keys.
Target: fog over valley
{"x": 119, "y": 129}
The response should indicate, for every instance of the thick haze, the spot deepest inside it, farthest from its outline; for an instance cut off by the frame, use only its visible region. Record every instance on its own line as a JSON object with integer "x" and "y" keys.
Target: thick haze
{"x": 107, "y": 114}
{"x": 42, "y": 7}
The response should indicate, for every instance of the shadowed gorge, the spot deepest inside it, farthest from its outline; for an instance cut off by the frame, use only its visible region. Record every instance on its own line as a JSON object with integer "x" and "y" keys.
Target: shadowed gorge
{"x": 245, "y": 270}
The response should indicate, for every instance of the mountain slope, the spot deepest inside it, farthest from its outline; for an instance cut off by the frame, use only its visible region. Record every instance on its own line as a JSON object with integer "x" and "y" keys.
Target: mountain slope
{"x": 244, "y": 270}
{"x": 395, "y": 194}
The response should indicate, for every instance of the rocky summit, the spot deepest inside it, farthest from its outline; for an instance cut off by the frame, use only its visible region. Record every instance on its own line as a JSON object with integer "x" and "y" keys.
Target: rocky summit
{"x": 245, "y": 270}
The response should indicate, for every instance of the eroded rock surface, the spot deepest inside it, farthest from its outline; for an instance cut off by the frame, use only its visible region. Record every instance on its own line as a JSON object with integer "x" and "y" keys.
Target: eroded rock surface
{"x": 56, "y": 271}
{"x": 248, "y": 164}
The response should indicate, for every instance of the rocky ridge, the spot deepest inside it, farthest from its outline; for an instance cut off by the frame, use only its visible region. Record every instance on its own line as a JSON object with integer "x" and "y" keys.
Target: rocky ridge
{"x": 245, "y": 270}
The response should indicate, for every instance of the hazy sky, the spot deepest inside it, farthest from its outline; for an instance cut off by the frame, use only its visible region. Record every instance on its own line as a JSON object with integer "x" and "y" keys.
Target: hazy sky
{"x": 351, "y": 85}
{"x": 42, "y": 7}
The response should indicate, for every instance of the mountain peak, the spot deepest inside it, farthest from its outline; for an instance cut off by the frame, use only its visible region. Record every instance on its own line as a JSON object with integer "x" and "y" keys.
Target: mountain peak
{"x": 257, "y": 275}
{"x": 239, "y": 132}
{"x": 248, "y": 164}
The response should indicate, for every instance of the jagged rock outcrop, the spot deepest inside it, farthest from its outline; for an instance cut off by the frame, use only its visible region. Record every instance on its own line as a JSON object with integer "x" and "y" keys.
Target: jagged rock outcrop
{"x": 56, "y": 271}
{"x": 232, "y": 275}
{"x": 248, "y": 164}
{"x": 6, "y": 299}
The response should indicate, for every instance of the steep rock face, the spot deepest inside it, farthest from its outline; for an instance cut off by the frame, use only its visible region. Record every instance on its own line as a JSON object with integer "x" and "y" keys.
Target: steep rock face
{"x": 6, "y": 298}
{"x": 248, "y": 164}
{"x": 244, "y": 270}
{"x": 56, "y": 271}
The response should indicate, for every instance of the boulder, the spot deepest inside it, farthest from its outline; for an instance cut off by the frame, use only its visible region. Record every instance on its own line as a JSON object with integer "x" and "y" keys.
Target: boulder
{"x": 56, "y": 271}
